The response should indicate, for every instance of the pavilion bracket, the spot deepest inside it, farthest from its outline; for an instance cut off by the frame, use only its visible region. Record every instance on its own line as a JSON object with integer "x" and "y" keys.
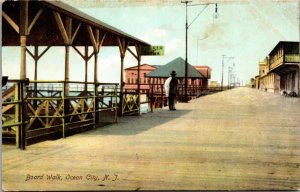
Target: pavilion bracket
{"x": 37, "y": 56}
{"x": 123, "y": 45}
{"x": 137, "y": 56}
{"x": 61, "y": 27}
{"x": 132, "y": 53}
{"x": 85, "y": 57}
{"x": 138, "y": 51}
{"x": 95, "y": 38}
{"x": 66, "y": 30}
{"x": 76, "y": 31}
{"x": 35, "y": 19}
{"x": 11, "y": 22}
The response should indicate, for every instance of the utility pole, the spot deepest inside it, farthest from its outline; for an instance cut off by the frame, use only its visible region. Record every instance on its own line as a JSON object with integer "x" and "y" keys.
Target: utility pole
{"x": 224, "y": 57}
{"x": 186, "y": 51}
{"x": 186, "y": 41}
{"x": 222, "y": 71}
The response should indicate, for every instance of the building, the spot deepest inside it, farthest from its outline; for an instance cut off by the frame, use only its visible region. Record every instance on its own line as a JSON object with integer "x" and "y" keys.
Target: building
{"x": 131, "y": 76}
{"x": 267, "y": 81}
{"x": 157, "y": 74}
{"x": 214, "y": 84}
{"x": 206, "y": 72}
{"x": 280, "y": 72}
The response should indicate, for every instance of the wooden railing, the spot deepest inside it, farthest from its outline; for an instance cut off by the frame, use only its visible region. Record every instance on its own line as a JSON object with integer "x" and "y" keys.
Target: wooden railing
{"x": 42, "y": 108}
{"x": 276, "y": 62}
{"x": 292, "y": 58}
{"x": 156, "y": 97}
{"x": 288, "y": 58}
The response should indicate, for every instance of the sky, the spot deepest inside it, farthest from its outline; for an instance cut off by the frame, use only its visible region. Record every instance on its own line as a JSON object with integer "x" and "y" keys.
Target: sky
{"x": 245, "y": 30}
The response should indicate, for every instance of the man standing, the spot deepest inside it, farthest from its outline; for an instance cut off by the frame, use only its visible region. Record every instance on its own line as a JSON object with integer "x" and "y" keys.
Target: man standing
{"x": 171, "y": 87}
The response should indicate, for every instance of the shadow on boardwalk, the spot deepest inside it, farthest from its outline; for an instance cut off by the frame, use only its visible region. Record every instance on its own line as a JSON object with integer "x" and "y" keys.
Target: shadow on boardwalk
{"x": 132, "y": 125}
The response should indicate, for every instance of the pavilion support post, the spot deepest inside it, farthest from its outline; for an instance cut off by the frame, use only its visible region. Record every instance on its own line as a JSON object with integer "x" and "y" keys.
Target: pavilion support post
{"x": 138, "y": 57}
{"x": 97, "y": 43}
{"x": 66, "y": 84}
{"x": 121, "y": 86}
{"x": 123, "y": 44}
{"x": 96, "y": 67}
{"x": 36, "y": 58}
{"x": 23, "y": 32}
{"x": 139, "y": 87}
{"x": 23, "y": 29}
{"x": 96, "y": 88}
{"x": 86, "y": 54}
{"x": 23, "y": 57}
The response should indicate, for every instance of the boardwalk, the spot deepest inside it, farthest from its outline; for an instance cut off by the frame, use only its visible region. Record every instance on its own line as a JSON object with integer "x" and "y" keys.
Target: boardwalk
{"x": 237, "y": 139}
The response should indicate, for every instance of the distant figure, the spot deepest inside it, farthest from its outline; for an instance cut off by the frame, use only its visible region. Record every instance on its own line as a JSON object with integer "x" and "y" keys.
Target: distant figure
{"x": 171, "y": 88}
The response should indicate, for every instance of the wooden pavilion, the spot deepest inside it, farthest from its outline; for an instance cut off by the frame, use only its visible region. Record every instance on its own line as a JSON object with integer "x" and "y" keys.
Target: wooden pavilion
{"x": 31, "y": 114}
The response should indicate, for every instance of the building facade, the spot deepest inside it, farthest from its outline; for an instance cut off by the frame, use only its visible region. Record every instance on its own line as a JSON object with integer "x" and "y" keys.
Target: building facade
{"x": 267, "y": 81}
{"x": 131, "y": 75}
{"x": 206, "y": 72}
{"x": 280, "y": 71}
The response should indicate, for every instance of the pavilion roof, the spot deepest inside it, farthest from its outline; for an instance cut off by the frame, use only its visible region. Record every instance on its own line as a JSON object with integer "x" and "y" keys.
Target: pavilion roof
{"x": 45, "y": 31}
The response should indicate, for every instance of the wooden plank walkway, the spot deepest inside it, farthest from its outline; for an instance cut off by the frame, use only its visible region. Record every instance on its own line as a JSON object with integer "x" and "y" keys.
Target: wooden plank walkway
{"x": 237, "y": 139}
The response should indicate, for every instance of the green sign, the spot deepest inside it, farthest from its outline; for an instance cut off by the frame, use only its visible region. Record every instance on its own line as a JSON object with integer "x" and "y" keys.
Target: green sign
{"x": 153, "y": 50}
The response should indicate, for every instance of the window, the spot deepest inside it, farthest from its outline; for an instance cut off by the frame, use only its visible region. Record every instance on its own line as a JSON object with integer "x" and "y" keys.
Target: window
{"x": 291, "y": 48}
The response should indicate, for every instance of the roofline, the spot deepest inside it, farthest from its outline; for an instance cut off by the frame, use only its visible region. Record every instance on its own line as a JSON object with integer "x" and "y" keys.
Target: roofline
{"x": 89, "y": 19}
{"x": 281, "y": 42}
{"x": 140, "y": 65}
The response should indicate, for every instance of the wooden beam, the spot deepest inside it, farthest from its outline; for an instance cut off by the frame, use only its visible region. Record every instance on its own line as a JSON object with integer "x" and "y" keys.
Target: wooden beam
{"x": 23, "y": 57}
{"x": 11, "y": 22}
{"x": 28, "y": 51}
{"x": 123, "y": 44}
{"x": 47, "y": 48}
{"x": 138, "y": 50}
{"x": 120, "y": 46}
{"x": 97, "y": 37}
{"x": 67, "y": 70}
{"x": 92, "y": 38}
{"x": 61, "y": 27}
{"x": 83, "y": 56}
{"x": 35, "y": 19}
{"x": 134, "y": 55}
{"x": 89, "y": 57}
{"x": 69, "y": 28}
{"x": 86, "y": 55}
{"x": 36, "y": 58}
{"x": 103, "y": 38}
{"x": 101, "y": 42}
{"x": 23, "y": 26}
{"x": 75, "y": 33}
{"x": 96, "y": 67}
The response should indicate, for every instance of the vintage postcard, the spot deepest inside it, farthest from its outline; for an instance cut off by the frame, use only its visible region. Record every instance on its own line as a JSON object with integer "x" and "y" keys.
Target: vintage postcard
{"x": 101, "y": 95}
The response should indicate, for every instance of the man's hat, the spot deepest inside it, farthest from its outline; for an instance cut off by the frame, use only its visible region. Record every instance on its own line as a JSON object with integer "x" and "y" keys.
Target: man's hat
{"x": 173, "y": 73}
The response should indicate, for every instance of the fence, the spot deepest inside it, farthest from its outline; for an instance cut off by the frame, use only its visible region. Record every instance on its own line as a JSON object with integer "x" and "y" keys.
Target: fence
{"x": 35, "y": 110}
{"x": 43, "y": 108}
